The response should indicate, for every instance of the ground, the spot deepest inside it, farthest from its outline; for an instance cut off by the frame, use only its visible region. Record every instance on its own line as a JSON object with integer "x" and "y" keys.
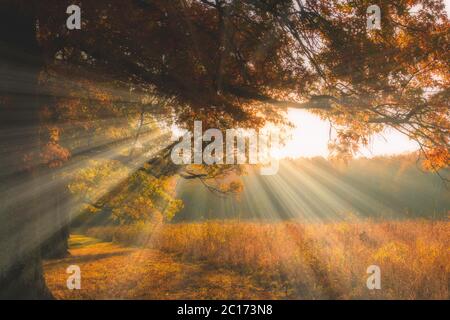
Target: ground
{"x": 258, "y": 260}
{"x": 111, "y": 271}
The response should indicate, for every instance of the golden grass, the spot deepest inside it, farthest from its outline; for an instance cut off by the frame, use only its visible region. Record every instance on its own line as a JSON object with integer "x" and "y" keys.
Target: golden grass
{"x": 110, "y": 271}
{"x": 313, "y": 261}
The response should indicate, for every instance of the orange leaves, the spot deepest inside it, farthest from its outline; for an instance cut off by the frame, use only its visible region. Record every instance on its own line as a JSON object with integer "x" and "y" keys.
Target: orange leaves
{"x": 435, "y": 159}
{"x": 54, "y": 155}
{"x": 347, "y": 143}
{"x": 99, "y": 95}
{"x": 227, "y": 69}
{"x": 27, "y": 160}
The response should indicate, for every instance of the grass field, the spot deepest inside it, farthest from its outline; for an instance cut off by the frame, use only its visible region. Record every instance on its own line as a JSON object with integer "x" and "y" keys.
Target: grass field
{"x": 111, "y": 271}
{"x": 250, "y": 260}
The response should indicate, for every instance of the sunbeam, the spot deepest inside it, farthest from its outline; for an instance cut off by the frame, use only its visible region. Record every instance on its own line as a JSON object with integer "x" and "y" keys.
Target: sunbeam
{"x": 224, "y": 150}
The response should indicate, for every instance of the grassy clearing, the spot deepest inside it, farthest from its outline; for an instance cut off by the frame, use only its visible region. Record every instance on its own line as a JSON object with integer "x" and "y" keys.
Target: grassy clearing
{"x": 318, "y": 261}
{"x": 81, "y": 241}
{"x": 111, "y": 271}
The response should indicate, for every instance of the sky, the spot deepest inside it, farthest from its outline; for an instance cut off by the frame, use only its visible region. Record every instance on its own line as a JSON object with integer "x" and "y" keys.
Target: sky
{"x": 310, "y": 136}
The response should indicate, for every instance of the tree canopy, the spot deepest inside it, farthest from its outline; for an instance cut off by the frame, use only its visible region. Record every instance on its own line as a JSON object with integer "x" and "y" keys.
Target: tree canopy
{"x": 111, "y": 92}
{"x": 242, "y": 63}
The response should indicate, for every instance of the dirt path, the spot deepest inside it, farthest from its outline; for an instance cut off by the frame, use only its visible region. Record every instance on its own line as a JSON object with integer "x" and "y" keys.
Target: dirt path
{"x": 110, "y": 271}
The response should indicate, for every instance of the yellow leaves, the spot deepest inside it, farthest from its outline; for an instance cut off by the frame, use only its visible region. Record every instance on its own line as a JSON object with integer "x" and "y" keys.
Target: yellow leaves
{"x": 116, "y": 132}
{"x": 96, "y": 178}
{"x": 100, "y": 95}
{"x": 92, "y": 209}
{"x": 135, "y": 209}
{"x": 54, "y": 133}
{"x": 345, "y": 8}
{"x": 233, "y": 187}
{"x": 143, "y": 197}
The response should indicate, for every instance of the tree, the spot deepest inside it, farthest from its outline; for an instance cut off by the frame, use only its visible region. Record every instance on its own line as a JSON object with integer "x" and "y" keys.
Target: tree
{"x": 396, "y": 77}
{"x": 226, "y": 63}
{"x": 136, "y": 196}
{"x": 21, "y": 60}
{"x": 233, "y": 63}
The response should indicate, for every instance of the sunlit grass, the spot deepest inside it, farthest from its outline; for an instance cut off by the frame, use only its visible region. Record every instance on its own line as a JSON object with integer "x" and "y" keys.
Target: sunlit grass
{"x": 111, "y": 271}
{"x": 80, "y": 241}
{"x": 311, "y": 260}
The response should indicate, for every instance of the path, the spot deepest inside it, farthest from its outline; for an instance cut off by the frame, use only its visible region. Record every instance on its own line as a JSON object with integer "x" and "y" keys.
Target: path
{"x": 111, "y": 271}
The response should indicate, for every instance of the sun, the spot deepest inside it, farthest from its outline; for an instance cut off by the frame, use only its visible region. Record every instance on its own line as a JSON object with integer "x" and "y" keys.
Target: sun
{"x": 310, "y": 137}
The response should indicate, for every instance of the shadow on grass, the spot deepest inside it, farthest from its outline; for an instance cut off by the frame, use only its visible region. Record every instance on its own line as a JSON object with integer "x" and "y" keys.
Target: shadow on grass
{"x": 80, "y": 241}
{"x": 87, "y": 258}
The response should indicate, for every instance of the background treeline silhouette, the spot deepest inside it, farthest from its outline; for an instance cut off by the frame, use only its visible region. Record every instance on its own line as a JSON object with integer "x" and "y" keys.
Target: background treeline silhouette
{"x": 318, "y": 189}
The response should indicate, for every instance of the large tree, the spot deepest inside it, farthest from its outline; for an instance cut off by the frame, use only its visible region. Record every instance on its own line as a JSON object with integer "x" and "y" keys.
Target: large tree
{"x": 227, "y": 63}
{"x": 21, "y": 60}
{"x": 240, "y": 62}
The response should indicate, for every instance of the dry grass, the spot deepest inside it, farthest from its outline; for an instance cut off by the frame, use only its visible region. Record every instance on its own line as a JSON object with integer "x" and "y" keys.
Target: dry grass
{"x": 318, "y": 261}
{"x": 110, "y": 271}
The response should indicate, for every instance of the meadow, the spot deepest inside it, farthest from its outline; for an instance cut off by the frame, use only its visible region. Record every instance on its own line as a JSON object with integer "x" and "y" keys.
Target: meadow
{"x": 286, "y": 260}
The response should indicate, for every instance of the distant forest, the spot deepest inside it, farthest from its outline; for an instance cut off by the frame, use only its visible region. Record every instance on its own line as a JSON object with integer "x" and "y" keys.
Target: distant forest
{"x": 316, "y": 189}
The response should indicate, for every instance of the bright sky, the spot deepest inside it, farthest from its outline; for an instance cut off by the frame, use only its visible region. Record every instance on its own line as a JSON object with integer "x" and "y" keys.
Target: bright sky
{"x": 310, "y": 138}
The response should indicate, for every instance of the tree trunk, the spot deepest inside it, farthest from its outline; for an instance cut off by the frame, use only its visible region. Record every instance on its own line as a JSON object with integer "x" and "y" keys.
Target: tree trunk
{"x": 56, "y": 244}
{"x": 21, "y": 273}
